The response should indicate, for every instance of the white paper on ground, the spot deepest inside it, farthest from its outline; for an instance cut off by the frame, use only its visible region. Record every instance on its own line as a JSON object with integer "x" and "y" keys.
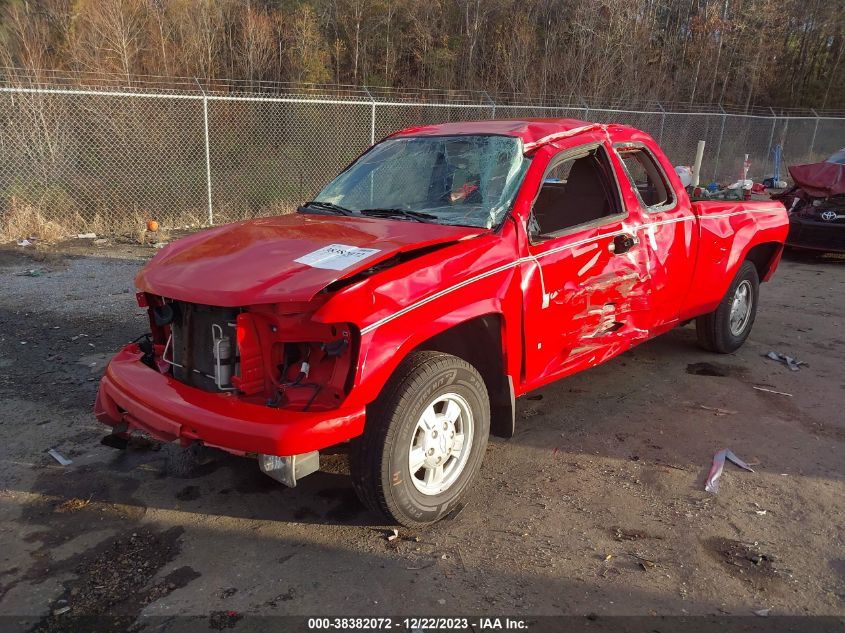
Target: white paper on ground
{"x": 336, "y": 256}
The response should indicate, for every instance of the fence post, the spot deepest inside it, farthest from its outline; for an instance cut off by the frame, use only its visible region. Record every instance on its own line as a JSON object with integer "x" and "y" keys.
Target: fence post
{"x": 662, "y": 123}
{"x": 782, "y": 143}
{"x": 207, "y": 152}
{"x": 492, "y": 103}
{"x": 771, "y": 138}
{"x": 719, "y": 144}
{"x": 586, "y": 109}
{"x": 372, "y": 117}
{"x": 813, "y": 140}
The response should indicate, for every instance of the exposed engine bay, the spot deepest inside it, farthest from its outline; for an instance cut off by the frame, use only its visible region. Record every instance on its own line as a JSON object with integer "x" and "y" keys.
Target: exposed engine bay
{"x": 250, "y": 353}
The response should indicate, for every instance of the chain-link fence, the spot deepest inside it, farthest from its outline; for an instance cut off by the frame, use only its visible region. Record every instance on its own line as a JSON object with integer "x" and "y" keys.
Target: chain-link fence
{"x": 107, "y": 160}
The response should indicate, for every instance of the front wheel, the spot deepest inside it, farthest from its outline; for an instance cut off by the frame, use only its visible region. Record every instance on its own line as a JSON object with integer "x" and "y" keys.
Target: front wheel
{"x": 725, "y": 329}
{"x": 424, "y": 440}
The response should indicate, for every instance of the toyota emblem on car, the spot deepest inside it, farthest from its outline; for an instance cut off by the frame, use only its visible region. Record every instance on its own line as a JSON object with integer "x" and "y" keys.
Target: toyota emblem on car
{"x": 828, "y": 216}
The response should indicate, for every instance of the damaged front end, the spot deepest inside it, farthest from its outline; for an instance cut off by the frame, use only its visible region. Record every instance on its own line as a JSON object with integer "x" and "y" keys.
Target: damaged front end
{"x": 816, "y": 206}
{"x": 262, "y": 354}
{"x": 209, "y": 362}
{"x": 243, "y": 352}
{"x": 816, "y": 223}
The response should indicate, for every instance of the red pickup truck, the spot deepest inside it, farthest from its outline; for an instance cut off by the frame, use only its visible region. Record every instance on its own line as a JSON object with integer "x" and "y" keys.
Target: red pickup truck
{"x": 447, "y": 271}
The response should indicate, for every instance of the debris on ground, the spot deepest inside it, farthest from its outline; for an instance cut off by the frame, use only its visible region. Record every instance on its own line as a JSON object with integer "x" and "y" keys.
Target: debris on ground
{"x": 712, "y": 484}
{"x": 32, "y": 272}
{"x": 64, "y": 461}
{"x": 219, "y": 620}
{"x": 393, "y": 536}
{"x": 26, "y": 241}
{"x": 780, "y": 393}
{"x": 793, "y": 363}
{"x": 621, "y": 534}
{"x": 100, "y": 241}
{"x": 717, "y": 411}
{"x": 160, "y": 244}
{"x": 762, "y": 612}
{"x": 745, "y": 560}
{"x": 86, "y": 236}
{"x": 645, "y": 563}
{"x": 72, "y": 505}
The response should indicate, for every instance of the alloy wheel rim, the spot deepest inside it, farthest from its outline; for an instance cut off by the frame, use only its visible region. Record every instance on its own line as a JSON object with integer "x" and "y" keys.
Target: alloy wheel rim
{"x": 741, "y": 307}
{"x": 440, "y": 444}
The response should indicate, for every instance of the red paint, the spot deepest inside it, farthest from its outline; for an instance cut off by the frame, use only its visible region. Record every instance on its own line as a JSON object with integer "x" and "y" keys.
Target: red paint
{"x": 253, "y": 262}
{"x": 170, "y": 410}
{"x": 251, "y": 379}
{"x": 564, "y": 304}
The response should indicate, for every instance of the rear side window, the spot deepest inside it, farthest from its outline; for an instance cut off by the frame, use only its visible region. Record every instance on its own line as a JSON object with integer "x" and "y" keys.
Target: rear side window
{"x": 647, "y": 178}
{"x": 577, "y": 189}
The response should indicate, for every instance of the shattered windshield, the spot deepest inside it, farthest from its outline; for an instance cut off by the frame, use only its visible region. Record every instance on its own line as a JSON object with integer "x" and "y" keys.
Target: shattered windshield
{"x": 461, "y": 180}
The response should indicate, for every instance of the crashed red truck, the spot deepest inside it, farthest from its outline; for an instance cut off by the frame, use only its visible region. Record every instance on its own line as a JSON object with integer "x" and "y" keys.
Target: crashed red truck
{"x": 449, "y": 270}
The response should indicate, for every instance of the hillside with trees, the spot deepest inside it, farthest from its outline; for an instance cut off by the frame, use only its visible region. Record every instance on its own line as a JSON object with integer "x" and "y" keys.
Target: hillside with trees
{"x": 779, "y": 53}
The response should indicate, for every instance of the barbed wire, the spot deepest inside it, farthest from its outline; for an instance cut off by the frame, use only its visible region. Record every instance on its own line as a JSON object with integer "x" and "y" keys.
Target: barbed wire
{"x": 58, "y": 78}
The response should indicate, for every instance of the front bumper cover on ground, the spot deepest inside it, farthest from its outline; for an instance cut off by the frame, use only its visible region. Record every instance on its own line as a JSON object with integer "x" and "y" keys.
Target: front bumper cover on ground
{"x": 132, "y": 393}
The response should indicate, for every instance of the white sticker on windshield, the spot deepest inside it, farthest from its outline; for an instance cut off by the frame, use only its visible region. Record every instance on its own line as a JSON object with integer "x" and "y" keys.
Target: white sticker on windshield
{"x": 336, "y": 256}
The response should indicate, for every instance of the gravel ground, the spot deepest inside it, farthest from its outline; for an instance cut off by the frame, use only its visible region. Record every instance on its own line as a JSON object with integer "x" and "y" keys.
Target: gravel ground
{"x": 595, "y": 507}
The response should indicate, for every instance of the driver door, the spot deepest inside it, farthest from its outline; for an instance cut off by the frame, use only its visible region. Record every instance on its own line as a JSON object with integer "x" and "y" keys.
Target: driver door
{"x": 589, "y": 298}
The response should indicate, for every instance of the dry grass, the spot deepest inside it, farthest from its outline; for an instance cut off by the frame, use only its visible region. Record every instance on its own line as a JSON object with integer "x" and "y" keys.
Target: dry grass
{"x": 24, "y": 220}
{"x": 151, "y": 237}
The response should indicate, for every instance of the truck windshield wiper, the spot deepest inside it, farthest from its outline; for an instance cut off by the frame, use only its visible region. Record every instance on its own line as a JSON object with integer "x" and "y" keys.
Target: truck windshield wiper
{"x": 418, "y": 216}
{"x": 316, "y": 205}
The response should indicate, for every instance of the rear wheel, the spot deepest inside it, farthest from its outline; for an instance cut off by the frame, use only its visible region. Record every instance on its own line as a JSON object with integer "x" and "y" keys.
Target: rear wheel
{"x": 725, "y": 329}
{"x": 424, "y": 440}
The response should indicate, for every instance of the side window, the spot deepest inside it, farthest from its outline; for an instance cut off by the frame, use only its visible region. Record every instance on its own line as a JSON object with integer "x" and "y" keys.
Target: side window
{"x": 578, "y": 189}
{"x": 646, "y": 178}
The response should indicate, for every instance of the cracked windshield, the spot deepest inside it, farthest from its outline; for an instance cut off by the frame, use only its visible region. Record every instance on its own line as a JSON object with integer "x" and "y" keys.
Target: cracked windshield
{"x": 459, "y": 180}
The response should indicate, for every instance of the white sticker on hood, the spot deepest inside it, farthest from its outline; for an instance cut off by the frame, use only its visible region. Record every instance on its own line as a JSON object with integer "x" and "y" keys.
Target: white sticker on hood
{"x": 336, "y": 256}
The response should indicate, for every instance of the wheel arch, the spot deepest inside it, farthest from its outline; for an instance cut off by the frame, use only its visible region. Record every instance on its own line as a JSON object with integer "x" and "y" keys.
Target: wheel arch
{"x": 765, "y": 257}
{"x": 481, "y": 340}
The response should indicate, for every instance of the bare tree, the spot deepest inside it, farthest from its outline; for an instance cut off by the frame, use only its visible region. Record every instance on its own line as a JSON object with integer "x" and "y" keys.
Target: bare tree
{"x": 777, "y": 52}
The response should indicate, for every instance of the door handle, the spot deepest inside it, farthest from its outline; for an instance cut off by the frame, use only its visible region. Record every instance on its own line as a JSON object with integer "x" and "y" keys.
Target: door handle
{"x": 623, "y": 243}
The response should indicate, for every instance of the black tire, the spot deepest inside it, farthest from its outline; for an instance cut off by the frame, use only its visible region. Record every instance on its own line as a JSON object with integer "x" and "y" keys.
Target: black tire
{"x": 379, "y": 459}
{"x": 187, "y": 462}
{"x": 714, "y": 329}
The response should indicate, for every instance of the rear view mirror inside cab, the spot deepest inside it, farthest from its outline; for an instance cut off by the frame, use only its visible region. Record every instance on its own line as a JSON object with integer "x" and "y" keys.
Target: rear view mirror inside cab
{"x": 578, "y": 189}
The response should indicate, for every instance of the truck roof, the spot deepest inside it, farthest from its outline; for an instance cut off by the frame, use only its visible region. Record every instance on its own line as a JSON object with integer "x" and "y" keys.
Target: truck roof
{"x": 529, "y": 130}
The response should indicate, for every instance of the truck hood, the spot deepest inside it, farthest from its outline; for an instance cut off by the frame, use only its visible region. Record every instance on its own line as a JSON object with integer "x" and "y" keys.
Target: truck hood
{"x": 255, "y": 262}
{"x": 820, "y": 180}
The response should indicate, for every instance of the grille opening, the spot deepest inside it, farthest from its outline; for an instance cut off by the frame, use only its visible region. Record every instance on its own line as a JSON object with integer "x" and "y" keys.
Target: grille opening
{"x": 192, "y": 342}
